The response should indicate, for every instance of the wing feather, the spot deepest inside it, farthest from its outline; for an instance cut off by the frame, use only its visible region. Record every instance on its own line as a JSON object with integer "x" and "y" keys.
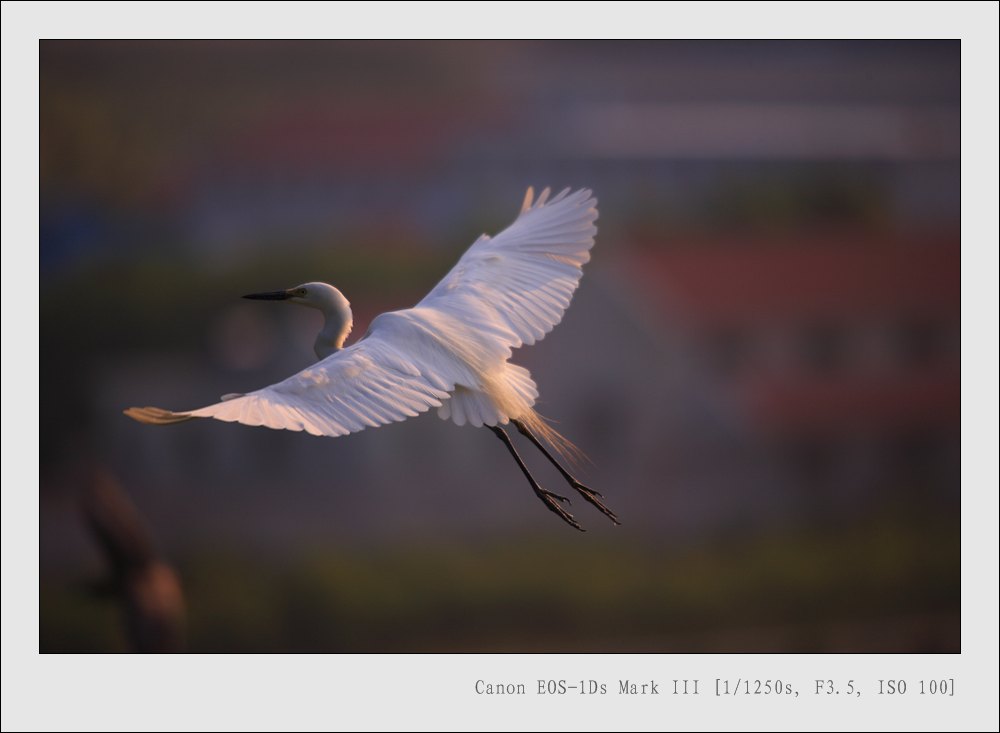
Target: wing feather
{"x": 372, "y": 383}
{"x": 517, "y": 285}
{"x": 503, "y": 293}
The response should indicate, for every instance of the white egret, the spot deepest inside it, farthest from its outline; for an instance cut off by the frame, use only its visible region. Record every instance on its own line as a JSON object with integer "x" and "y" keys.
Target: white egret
{"x": 451, "y": 351}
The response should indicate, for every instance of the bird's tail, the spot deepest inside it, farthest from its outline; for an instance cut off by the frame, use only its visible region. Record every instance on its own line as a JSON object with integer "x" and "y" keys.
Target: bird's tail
{"x": 540, "y": 427}
{"x": 515, "y": 397}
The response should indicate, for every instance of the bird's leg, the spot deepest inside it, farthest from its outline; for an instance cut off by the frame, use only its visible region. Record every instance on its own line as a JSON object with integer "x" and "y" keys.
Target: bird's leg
{"x": 586, "y": 492}
{"x": 551, "y": 500}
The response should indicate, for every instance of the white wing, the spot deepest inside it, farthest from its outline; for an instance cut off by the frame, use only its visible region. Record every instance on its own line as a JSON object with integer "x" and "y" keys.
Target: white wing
{"x": 374, "y": 382}
{"x": 502, "y": 293}
{"x": 518, "y": 284}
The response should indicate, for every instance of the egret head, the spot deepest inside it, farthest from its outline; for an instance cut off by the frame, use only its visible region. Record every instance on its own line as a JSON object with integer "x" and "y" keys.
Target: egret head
{"x": 336, "y": 310}
{"x": 314, "y": 295}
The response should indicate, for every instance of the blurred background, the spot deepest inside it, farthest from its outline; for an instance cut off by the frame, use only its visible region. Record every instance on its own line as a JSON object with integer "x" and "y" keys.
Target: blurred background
{"x": 762, "y": 361}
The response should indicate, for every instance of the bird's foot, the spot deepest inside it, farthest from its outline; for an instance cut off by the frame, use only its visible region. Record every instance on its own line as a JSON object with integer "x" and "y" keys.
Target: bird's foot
{"x": 559, "y": 497}
{"x": 594, "y": 497}
{"x": 554, "y": 502}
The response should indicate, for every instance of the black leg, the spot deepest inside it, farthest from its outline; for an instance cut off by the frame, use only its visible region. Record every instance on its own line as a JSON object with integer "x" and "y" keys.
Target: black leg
{"x": 552, "y": 501}
{"x": 585, "y": 491}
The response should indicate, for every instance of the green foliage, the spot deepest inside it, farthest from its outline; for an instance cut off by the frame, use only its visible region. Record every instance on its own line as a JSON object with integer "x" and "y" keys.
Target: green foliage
{"x": 781, "y": 592}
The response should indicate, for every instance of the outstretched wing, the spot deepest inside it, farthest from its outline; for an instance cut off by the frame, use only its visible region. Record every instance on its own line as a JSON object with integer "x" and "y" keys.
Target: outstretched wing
{"x": 519, "y": 283}
{"x": 374, "y": 382}
{"x": 509, "y": 291}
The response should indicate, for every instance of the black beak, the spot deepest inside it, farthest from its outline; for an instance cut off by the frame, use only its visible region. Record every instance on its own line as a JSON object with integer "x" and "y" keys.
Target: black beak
{"x": 273, "y": 295}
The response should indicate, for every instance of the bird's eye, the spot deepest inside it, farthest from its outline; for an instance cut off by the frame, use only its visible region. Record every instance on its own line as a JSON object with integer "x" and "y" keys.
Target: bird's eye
{"x": 302, "y": 292}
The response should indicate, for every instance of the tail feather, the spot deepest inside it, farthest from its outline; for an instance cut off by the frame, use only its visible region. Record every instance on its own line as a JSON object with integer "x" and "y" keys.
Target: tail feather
{"x": 515, "y": 398}
{"x": 562, "y": 445}
{"x": 157, "y": 415}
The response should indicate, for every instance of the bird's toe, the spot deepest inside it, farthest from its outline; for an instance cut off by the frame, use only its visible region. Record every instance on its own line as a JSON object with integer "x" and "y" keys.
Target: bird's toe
{"x": 594, "y": 497}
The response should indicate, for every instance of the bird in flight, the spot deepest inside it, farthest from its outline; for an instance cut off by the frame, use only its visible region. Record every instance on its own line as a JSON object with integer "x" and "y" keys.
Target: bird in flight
{"x": 451, "y": 351}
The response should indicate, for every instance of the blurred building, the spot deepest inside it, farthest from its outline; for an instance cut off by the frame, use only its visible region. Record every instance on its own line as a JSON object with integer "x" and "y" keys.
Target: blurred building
{"x": 842, "y": 352}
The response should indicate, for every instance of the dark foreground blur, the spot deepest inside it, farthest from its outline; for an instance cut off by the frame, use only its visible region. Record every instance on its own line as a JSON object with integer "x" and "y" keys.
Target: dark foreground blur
{"x": 762, "y": 361}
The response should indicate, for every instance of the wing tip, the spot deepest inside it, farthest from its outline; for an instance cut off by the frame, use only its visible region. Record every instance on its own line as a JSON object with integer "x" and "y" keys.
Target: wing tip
{"x": 529, "y": 196}
{"x": 579, "y": 196}
{"x": 156, "y": 415}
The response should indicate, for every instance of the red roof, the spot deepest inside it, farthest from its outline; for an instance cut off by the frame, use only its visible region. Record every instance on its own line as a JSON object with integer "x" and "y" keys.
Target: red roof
{"x": 741, "y": 280}
{"x": 833, "y": 279}
{"x": 855, "y": 401}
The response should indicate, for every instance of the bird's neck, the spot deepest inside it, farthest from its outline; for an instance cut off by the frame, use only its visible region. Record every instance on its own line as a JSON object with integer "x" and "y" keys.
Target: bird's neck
{"x": 337, "y": 324}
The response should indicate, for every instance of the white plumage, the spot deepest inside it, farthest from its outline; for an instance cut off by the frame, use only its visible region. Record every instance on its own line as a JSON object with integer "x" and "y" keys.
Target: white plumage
{"x": 450, "y": 351}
